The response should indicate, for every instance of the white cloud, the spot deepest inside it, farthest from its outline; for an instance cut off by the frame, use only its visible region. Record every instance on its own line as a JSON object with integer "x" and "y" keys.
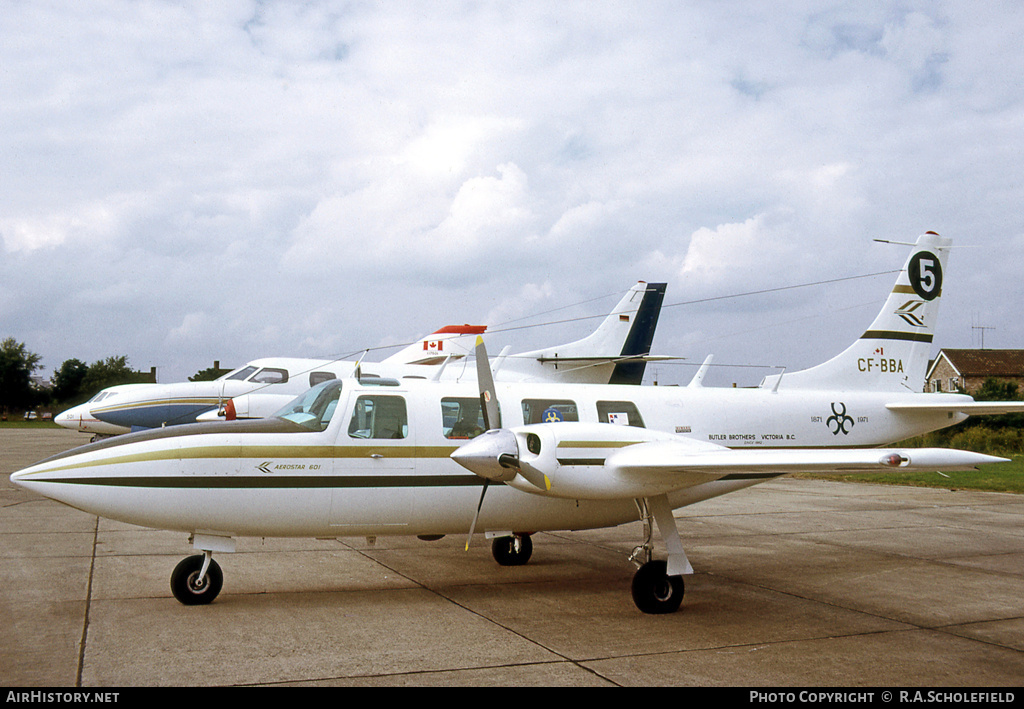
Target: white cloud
{"x": 392, "y": 169}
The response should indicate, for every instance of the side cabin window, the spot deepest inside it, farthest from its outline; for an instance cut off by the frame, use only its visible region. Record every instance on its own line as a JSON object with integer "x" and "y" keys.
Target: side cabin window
{"x": 621, "y": 413}
{"x": 462, "y": 417}
{"x": 549, "y": 410}
{"x": 270, "y": 375}
{"x": 320, "y": 377}
{"x": 379, "y": 416}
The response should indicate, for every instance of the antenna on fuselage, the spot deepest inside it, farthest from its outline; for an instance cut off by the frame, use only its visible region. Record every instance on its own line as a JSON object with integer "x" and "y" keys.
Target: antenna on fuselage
{"x": 358, "y": 371}
{"x": 698, "y": 378}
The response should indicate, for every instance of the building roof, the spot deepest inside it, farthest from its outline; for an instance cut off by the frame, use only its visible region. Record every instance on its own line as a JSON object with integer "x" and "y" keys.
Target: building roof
{"x": 985, "y": 363}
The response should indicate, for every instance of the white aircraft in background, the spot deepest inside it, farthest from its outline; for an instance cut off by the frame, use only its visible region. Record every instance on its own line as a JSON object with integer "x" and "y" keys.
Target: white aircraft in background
{"x": 379, "y": 456}
{"x": 80, "y": 418}
{"x": 275, "y": 381}
{"x": 616, "y": 352}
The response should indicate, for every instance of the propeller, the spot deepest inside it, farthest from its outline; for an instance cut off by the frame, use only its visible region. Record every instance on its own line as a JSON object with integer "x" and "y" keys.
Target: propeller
{"x": 485, "y": 380}
{"x": 494, "y": 454}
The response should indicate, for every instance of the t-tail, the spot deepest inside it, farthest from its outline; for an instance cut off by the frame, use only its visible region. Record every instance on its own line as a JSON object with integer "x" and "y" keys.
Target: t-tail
{"x": 893, "y": 353}
{"x": 619, "y": 348}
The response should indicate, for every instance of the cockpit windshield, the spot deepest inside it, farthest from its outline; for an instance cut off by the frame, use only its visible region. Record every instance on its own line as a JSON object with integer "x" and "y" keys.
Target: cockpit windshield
{"x": 315, "y": 408}
{"x": 239, "y": 374}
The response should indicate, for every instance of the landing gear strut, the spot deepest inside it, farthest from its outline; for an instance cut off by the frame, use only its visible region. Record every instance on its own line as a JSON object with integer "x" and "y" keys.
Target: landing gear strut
{"x": 197, "y": 580}
{"x": 658, "y": 585}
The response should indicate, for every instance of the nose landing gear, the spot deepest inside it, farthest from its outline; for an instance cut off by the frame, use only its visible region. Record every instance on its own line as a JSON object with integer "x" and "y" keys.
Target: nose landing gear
{"x": 197, "y": 580}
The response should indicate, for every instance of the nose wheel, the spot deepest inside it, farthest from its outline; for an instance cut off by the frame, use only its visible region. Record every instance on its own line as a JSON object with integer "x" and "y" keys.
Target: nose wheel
{"x": 197, "y": 580}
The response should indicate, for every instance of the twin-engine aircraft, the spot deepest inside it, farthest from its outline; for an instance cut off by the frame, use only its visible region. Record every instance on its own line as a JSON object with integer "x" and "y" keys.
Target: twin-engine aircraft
{"x": 616, "y": 352}
{"x": 383, "y": 456}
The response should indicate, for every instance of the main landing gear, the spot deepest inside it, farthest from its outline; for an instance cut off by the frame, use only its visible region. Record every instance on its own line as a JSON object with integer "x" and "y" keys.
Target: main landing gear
{"x": 514, "y": 550}
{"x": 197, "y": 580}
{"x": 658, "y": 585}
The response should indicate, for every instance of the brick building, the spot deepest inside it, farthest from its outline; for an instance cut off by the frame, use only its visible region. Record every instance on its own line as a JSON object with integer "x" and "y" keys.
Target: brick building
{"x": 966, "y": 370}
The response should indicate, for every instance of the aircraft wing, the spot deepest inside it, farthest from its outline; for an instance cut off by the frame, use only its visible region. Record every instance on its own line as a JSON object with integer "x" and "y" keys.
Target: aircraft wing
{"x": 599, "y": 461}
{"x": 972, "y": 408}
{"x": 668, "y": 460}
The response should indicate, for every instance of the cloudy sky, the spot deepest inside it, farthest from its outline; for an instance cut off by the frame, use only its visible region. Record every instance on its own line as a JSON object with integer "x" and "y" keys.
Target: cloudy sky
{"x": 188, "y": 181}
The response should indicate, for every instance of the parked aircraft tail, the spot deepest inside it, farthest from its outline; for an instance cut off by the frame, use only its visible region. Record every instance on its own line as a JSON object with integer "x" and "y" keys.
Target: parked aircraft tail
{"x": 451, "y": 341}
{"x": 892, "y": 354}
{"x": 617, "y": 351}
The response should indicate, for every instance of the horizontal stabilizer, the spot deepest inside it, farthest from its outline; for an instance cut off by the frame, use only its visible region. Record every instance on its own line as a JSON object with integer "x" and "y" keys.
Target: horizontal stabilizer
{"x": 609, "y": 359}
{"x": 971, "y": 408}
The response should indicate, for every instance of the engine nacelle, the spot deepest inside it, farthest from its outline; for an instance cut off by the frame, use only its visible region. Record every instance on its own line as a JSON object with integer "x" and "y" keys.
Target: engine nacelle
{"x": 580, "y": 459}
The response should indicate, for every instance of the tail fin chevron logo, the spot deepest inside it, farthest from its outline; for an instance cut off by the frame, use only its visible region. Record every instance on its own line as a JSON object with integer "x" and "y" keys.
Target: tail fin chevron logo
{"x": 906, "y": 311}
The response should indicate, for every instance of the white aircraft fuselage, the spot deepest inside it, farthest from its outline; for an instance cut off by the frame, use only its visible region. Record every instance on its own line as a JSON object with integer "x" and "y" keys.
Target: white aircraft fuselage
{"x": 378, "y": 456}
{"x": 277, "y": 478}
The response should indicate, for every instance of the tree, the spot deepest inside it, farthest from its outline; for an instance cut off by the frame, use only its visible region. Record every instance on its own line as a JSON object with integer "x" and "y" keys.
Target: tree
{"x": 209, "y": 374}
{"x": 67, "y": 382}
{"x": 16, "y": 367}
{"x": 110, "y": 372}
{"x": 993, "y": 389}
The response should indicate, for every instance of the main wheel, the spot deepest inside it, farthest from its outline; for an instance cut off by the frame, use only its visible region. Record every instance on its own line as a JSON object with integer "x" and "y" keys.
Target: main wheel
{"x": 512, "y": 551}
{"x": 187, "y": 586}
{"x": 654, "y": 591}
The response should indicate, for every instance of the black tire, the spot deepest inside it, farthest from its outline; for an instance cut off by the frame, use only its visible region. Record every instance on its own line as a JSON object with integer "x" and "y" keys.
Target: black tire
{"x": 507, "y": 552}
{"x": 654, "y": 591}
{"x": 184, "y": 579}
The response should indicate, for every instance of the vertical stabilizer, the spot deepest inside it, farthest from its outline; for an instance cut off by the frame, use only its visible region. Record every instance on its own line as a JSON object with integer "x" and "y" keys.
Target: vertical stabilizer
{"x": 450, "y": 342}
{"x": 892, "y": 354}
{"x": 614, "y": 352}
{"x": 641, "y": 335}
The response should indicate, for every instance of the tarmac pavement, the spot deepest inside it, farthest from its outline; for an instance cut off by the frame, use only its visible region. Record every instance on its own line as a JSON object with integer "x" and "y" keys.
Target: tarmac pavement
{"x": 798, "y": 583}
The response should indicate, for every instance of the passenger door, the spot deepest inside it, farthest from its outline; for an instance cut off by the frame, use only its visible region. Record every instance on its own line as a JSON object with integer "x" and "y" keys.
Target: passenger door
{"x": 375, "y": 459}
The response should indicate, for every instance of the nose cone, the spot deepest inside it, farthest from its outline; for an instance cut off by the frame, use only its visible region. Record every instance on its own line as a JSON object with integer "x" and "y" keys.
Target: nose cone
{"x": 22, "y": 480}
{"x": 70, "y": 418}
{"x": 492, "y": 455}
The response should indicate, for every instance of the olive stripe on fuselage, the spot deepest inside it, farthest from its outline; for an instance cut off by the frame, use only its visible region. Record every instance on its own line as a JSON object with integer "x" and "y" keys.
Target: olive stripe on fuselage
{"x": 325, "y": 482}
{"x": 258, "y": 452}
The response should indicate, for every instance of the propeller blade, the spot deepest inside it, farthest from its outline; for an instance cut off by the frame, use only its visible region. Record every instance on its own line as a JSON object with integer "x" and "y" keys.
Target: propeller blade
{"x": 488, "y": 398}
{"x": 495, "y": 454}
{"x": 476, "y": 516}
{"x": 535, "y": 476}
